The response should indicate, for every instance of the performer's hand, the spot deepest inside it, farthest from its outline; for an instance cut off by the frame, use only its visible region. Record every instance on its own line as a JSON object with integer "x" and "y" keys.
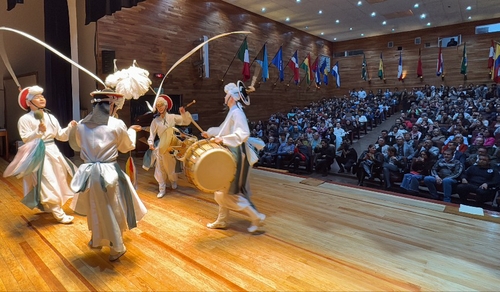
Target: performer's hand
{"x": 73, "y": 123}
{"x": 42, "y": 128}
{"x": 182, "y": 110}
{"x": 152, "y": 147}
{"x": 218, "y": 140}
{"x": 136, "y": 128}
{"x": 205, "y": 135}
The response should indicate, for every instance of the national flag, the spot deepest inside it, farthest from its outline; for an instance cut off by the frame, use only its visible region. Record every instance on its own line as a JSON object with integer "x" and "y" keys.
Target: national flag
{"x": 245, "y": 58}
{"x": 336, "y": 73}
{"x": 419, "y": 65}
{"x": 324, "y": 70}
{"x": 261, "y": 59}
{"x": 463, "y": 67}
{"x": 496, "y": 66}
{"x": 315, "y": 69}
{"x": 440, "y": 63}
{"x": 278, "y": 62}
{"x": 400, "y": 67}
{"x": 294, "y": 65}
{"x": 363, "y": 69}
{"x": 381, "y": 67}
{"x": 491, "y": 57}
{"x": 306, "y": 66}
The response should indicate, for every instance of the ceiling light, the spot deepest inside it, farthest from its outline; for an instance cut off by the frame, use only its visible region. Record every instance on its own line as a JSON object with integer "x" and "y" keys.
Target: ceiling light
{"x": 350, "y": 28}
{"x": 263, "y": 9}
{"x": 298, "y": 1}
{"x": 415, "y": 6}
{"x": 428, "y": 24}
{"x": 393, "y": 29}
{"x": 322, "y": 33}
{"x": 468, "y": 8}
{"x": 470, "y": 17}
{"x": 384, "y": 22}
{"x": 320, "y": 12}
{"x": 337, "y": 21}
{"x": 287, "y": 19}
{"x": 307, "y": 27}
{"x": 362, "y": 34}
{"x": 360, "y": 3}
{"x": 423, "y": 16}
{"x": 334, "y": 39}
{"x": 373, "y": 14}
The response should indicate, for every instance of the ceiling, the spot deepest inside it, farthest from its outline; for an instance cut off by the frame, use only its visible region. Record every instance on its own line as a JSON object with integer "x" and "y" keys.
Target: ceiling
{"x": 342, "y": 20}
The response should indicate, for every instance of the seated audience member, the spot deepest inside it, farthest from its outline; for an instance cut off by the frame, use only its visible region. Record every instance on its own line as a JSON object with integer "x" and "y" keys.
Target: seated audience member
{"x": 316, "y": 140}
{"x": 473, "y": 158}
{"x": 285, "y": 152}
{"x": 392, "y": 164}
{"x": 367, "y": 160}
{"x": 420, "y": 168}
{"x": 489, "y": 138}
{"x": 437, "y": 136}
{"x": 457, "y": 155}
{"x": 381, "y": 146}
{"x": 446, "y": 172}
{"x": 415, "y": 133}
{"x": 301, "y": 153}
{"x": 346, "y": 156}
{"x": 429, "y": 146}
{"x": 403, "y": 150}
{"x": 268, "y": 153}
{"x": 456, "y": 132}
{"x": 409, "y": 141}
{"x": 478, "y": 143}
{"x": 480, "y": 179}
{"x": 325, "y": 156}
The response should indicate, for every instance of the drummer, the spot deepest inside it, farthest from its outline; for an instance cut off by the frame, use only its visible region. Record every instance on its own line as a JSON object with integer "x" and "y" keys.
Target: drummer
{"x": 234, "y": 133}
{"x": 166, "y": 166}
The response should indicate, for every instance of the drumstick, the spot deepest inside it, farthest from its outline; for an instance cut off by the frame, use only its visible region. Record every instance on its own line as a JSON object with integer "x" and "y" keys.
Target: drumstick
{"x": 196, "y": 125}
{"x": 190, "y": 104}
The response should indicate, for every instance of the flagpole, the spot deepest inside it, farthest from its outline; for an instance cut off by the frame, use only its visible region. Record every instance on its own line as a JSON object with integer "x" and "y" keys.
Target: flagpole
{"x": 222, "y": 79}
{"x": 257, "y": 54}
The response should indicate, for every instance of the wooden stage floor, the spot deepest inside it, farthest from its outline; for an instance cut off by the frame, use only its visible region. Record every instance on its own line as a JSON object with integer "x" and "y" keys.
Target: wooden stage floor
{"x": 318, "y": 237}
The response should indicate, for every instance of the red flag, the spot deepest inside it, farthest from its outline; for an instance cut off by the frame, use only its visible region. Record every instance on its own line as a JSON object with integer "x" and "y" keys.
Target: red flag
{"x": 491, "y": 57}
{"x": 294, "y": 65}
{"x": 419, "y": 66}
{"x": 245, "y": 58}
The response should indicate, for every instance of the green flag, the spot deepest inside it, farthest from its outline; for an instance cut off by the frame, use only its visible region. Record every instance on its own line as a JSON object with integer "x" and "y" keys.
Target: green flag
{"x": 363, "y": 68}
{"x": 463, "y": 68}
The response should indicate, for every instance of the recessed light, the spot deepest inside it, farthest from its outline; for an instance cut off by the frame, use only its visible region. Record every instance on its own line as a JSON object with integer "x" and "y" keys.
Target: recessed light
{"x": 263, "y": 9}
{"x": 334, "y": 39}
{"x": 468, "y": 8}
{"x": 393, "y": 29}
{"x": 373, "y": 14}
{"x": 415, "y": 6}
{"x": 320, "y": 12}
{"x": 298, "y": 1}
{"x": 350, "y": 28}
{"x": 384, "y": 22}
{"x": 360, "y": 3}
{"x": 423, "y": 16}
{"x": 337, "y": 21}
{"x": 470, "y": 17}
{"x": 307, "y": 27}
{"x": 362, "y": 34}
{"x": 287, "y": 19}
{"x": 428, "y": 24}
{"x": 322, "y": 33}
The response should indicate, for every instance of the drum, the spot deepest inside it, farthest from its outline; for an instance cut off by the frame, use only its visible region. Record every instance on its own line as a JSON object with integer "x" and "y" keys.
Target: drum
{"x": 185, "y": 144}
{"x": 209, "y": 166}
{"x": 168, "y": 140}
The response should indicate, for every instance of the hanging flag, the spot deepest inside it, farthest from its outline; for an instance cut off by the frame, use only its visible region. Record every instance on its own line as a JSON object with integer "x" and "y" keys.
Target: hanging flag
{"x": 491, "y": 57}
{"x": 294, "y": 65}
{"x": 496, "y": 66}
{"x": 261, "y": 59}
{"x": 245, "y": 58}
{"x": 381, "y": 67}
{"x": 400, "y": 67}
{"x": 278, "y": 62}
{"x": 463, "y": 67}
{"x": 440, "y": 63}
{"x": 315, "y": 69}
{"x": 419, "y": 65}
{"x": 306, "y": 66}
{"x": 323, "y": 69}
{"x": 336, "y": 73}
{"x": 363, "y": 69}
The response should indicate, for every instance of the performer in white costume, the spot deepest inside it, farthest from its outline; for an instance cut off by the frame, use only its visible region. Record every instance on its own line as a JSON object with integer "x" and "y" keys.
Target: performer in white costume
{"x": 108, "y": 198}
{"x": 44, "y": 169}
{"x": 234, "y": 134}
{"x": 166, "y": 166}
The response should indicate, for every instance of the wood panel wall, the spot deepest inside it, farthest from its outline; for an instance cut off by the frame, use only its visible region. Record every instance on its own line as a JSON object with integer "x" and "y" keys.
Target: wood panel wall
{"x": 157, "y": 33}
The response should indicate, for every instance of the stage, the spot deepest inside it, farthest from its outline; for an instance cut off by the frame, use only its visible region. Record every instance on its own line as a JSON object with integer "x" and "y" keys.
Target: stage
{"x": 318, "y": 236}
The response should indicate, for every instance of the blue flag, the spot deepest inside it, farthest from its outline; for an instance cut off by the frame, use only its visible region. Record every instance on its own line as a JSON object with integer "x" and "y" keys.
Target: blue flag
{"x": 278, "y": 62}
{"x": 336, "y": 73}
{"x": 262, "y": 61}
